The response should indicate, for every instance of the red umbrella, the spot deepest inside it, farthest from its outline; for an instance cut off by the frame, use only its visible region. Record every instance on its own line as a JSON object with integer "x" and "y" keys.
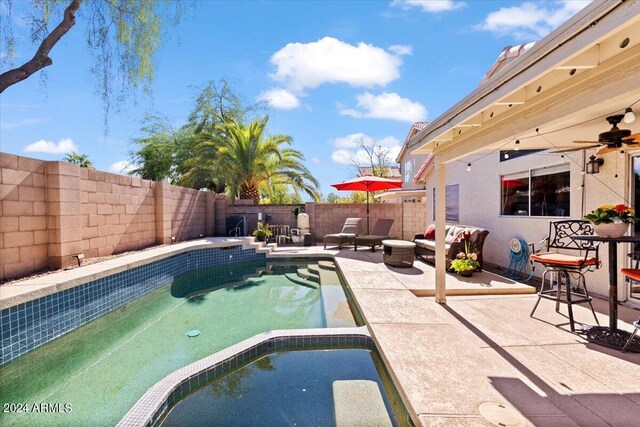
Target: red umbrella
{"x": 368, "y": 183}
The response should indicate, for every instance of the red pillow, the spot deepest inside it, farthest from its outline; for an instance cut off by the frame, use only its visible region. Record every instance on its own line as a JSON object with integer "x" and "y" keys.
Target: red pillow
{"x": 430, "y": 234}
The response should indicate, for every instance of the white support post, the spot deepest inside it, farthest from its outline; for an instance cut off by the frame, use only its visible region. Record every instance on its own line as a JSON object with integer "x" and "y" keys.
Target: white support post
{"x": 441, "y": 180}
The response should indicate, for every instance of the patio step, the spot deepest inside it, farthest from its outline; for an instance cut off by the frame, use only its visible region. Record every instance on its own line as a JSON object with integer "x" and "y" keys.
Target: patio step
{"x": 308, "y": 274}
{"x": 300, "y": 281}
{"x": 327, "y": 265}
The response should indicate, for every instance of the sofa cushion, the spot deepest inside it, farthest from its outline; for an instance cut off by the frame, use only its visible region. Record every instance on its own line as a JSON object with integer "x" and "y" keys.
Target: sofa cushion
{"x": 430, "y": 234}
{"x": 430, "y": 244}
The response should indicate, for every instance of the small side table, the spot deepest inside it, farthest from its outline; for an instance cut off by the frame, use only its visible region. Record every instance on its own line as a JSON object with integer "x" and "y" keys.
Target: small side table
{"x": 398, "y": 253}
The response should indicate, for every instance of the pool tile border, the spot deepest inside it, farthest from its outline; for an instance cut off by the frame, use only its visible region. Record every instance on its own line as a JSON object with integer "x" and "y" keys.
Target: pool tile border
{"x": 34, "y": 318}
{"x": 23, "y": 291}
{"x": 153, "y": 405}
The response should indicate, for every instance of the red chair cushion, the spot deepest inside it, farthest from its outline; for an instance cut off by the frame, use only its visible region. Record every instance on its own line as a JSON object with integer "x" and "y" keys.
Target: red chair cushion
{"x": 562, "y": 259}
{"x": 430, "y": 234}
{"x": 632, "y": 273}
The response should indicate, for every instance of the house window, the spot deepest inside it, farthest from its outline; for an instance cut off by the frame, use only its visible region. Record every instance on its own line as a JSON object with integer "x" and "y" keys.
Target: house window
{"x": 409, "y": 167}
{"x": 538, "y": 192}
{"x": 452, "y": 207}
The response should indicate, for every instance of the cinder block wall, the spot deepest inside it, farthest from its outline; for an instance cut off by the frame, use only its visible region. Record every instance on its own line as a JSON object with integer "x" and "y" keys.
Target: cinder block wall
{"x": 189, "y": 213}
{"x": 23, "y": 215}
{"x": 52, "y": 211}
{"x": 118, "y": 213}
{"x": 326, "y": 218}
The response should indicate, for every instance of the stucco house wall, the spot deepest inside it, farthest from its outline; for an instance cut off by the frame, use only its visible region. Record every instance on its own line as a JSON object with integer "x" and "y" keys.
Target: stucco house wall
{"x": 479, "y": 201}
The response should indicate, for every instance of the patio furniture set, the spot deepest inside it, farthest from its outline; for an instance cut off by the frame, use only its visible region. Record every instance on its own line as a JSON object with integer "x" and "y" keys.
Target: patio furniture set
{"x": 563, "y": 279}
{"x": 349, "y": 234}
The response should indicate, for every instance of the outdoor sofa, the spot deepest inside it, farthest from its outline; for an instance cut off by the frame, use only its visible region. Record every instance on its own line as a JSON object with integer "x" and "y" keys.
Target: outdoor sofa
{"x": 454, "y": 243}
{"x": 346, "y": 236}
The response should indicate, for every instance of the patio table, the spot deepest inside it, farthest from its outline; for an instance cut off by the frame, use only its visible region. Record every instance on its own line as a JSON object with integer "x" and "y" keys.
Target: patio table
{"x": 611, "y": 336}
{"x": 398, "y": 253}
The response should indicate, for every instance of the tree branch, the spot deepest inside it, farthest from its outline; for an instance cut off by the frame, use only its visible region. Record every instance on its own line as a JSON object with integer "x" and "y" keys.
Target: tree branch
{"x": 41, "y": 58}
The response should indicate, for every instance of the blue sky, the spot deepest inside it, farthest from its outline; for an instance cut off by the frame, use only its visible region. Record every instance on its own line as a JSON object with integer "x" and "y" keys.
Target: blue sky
{"x": 331, "y": 71}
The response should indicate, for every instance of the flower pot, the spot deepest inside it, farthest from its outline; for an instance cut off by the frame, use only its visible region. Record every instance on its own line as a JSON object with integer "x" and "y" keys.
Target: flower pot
{"x": 466, "y": 273}
{"x": 611, "y": 229}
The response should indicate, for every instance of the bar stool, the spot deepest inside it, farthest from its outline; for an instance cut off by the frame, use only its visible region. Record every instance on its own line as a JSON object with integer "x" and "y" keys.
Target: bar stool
{"x": 561, "y": 267}
{"x": 632, "y": 275}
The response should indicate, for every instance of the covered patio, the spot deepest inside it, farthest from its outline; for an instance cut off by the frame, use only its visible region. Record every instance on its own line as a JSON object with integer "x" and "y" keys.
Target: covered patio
{"x": 558, "y": 91}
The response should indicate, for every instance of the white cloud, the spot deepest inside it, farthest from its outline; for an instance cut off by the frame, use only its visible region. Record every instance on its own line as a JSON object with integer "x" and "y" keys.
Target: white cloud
{"x": 342, "y": 156}
{"x": 62, "y": 147}
{"x": 349, "y": 141}
{"x": 347, "y": 148}
{"x": 386, "y": 106}
{"x": 531, "y": 19}
{"x": 308, "y": 65}
{"x": 429, "y": 6}
{"x": 279, "y": 98}
{"x": 316, "y": 160}
{"x": 401, "y": 49}
{"x": 122, "y": 167}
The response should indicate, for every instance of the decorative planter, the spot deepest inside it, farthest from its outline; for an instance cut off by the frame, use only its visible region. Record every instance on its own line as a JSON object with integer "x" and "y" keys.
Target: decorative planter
{"x": 611, "y": 229}
{"x": 466, "y": 273}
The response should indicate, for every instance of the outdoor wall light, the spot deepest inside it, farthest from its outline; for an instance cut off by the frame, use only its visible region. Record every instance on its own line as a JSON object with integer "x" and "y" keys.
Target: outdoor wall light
{"x": 517, "y": 146}
{"x": 593, "y": 165}
{"x": 629, "y": 117}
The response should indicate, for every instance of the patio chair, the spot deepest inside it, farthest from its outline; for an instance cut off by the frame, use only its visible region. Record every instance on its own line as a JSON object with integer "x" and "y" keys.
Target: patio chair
{"x": 346, "y": 236}
{"x": 381, "y": 231}
{"x": 561, "y": 267}
{"x": 632, "y": 275}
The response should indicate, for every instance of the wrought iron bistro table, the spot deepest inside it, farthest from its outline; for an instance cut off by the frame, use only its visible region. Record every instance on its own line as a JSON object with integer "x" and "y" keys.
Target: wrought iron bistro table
{"x": 611, "y": 336}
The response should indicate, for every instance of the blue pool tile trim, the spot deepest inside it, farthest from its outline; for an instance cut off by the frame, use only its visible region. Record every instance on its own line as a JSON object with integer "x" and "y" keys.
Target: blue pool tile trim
{"x": 34, "y": 323}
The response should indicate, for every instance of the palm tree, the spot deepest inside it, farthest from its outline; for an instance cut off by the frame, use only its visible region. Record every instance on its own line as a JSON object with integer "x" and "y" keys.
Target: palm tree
{"x": 247, "y": 160}
{"x": 79, "y": 159}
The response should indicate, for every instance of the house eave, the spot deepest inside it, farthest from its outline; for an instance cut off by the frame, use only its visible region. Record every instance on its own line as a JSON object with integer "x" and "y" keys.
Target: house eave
{"x": 572, "y": 44}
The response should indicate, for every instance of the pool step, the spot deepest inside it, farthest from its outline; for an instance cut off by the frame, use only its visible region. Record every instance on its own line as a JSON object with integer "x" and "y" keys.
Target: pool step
{"x": 359, "y": 403}
{"x": 308, "y": 274}
{"x": 313, "y": 268}
{"x": 327, "y": 265}
{"x": 300, "y": 281}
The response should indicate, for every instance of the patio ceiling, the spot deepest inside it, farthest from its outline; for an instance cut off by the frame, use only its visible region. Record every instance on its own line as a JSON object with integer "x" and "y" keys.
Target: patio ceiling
{"x": 586, "y": 69}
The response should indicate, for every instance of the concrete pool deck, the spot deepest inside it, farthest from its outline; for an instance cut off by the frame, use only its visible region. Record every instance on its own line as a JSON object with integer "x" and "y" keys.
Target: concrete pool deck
{"x": 449, "y": 361}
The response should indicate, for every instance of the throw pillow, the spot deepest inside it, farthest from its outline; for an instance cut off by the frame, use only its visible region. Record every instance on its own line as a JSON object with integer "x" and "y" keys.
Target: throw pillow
{"x": 430, "y": 234}
{"x": 454, "y": 237}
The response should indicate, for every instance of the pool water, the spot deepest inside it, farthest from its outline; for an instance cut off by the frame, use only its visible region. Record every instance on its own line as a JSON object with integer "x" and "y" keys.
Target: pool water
{"x": 101, "y": 369}
{"x": 286, "y": 388}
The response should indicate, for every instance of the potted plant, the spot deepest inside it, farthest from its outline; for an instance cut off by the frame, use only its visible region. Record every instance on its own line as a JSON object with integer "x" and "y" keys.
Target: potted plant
{"x": 262, "y": 233}
{"x": 466, "y": 262}
{"x": 611, "y": 221}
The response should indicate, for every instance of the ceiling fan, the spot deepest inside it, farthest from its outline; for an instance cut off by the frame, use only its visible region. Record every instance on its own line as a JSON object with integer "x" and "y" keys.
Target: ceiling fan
{"x": 611, "y": 140}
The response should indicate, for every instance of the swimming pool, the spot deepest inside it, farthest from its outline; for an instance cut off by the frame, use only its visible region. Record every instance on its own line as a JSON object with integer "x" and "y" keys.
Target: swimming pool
{"x": 301, "y": 388}
{"x": 99, "y": 370}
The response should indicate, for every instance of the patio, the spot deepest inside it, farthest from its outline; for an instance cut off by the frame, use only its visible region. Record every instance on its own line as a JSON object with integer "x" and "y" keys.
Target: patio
{"x": 449, "y": 360}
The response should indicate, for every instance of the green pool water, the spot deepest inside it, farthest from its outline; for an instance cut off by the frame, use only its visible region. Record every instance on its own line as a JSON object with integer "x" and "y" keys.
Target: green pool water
{"x": 293, "y": 388}
{"x": 97, "y": 372}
